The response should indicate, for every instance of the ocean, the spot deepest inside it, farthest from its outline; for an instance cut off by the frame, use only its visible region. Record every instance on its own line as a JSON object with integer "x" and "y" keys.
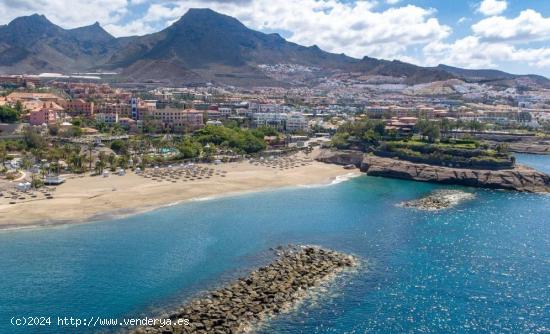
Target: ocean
{"x": 480, "y": 267}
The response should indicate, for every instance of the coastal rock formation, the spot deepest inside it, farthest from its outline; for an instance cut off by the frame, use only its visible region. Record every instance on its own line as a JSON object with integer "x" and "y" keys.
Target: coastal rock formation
{"x": 267, "y": 291}
{"x": 342, "y": 157}
{"x": 520, "y": 178}
{"x": 438, "y": 200}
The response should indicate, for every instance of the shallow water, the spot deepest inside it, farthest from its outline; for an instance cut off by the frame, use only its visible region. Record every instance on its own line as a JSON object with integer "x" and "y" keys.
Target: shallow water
{"x": 482, "y": 266}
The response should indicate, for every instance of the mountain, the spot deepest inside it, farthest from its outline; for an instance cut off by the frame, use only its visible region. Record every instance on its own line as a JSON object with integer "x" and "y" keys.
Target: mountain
{"x": 202, "y": 46}
{"x": 494, "y": 76}
{"x": 34, "y": 44}
{"x": 218, "y": 47}
{"x": 92, "y": 34}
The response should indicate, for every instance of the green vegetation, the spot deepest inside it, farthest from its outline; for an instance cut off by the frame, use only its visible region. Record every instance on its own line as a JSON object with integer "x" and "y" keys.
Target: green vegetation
{"x": 9, "y": 114}
{"x": 57, "y": 153}
{"x": 430, "y": 142}
{"x": 359, "y": 134}
{"x": 239, "y": 140}
{"x": 189, "y": 148}
{"x": 119, "y": 146}
{"x": 460, "y": 153}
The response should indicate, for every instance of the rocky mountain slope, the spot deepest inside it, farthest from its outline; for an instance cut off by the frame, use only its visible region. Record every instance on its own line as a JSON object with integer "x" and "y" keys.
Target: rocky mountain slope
{"x": 202, "y": 46}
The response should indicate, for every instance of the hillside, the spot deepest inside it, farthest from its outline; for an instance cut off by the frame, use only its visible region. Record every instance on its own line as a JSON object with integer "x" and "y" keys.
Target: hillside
{"x": 202, "y": 46}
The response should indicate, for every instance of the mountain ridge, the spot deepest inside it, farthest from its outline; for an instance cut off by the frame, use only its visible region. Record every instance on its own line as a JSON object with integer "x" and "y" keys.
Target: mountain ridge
{"x": 202, "y": 46}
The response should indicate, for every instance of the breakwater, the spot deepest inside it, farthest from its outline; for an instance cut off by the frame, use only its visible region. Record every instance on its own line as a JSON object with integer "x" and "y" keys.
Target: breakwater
{"x": 267, "y": 291}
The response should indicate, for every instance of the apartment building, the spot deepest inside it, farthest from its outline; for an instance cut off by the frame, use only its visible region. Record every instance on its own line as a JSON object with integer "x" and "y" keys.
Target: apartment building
{"x": 177, "y": 120}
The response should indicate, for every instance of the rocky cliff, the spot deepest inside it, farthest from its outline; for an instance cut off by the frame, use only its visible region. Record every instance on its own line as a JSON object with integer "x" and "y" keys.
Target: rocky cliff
{"x": 520, "y": 178}
{"x": 341, "y": 157}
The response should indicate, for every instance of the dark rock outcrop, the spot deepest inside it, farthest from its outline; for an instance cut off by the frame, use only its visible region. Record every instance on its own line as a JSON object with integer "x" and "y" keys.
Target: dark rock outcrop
{"x": 267, "y": 291}
{"x": 438, "y": 200}
{"x": 520, "y": 178}
{"x": 343, "y": 157}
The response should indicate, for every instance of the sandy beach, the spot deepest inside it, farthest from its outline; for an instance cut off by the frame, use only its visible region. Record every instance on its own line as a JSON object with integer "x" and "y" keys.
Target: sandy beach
{"x": 87, "y": 198}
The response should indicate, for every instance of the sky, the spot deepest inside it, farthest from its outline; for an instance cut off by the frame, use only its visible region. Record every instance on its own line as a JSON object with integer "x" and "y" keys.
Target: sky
{"x": 510, "y": 35}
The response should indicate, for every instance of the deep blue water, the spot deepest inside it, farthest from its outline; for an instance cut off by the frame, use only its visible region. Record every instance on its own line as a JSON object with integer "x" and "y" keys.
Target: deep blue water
{"x": 483, "y": 266}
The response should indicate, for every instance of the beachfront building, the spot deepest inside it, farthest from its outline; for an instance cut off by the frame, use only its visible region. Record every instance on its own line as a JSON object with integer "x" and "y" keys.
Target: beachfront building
{"x": 177, "y": 120}
{"x": 274, "y": 120}
{"x": 296, "y": 122}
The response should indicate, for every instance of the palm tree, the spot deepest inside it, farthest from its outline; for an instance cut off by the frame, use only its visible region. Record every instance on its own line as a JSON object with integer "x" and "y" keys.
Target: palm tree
{"x": 99, "y": 166}
{"x": 123, "y": 162}
{"x": 90, "y": 149}
{"x": 446, "y": 127}
{"x": 112, "y": 161}
{"x": 76, "y": 162}
{"x": 3, "y": 153}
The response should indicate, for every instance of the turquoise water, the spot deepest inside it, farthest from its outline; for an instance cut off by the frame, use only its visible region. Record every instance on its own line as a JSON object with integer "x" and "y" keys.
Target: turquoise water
{"x": 483, "y": 266}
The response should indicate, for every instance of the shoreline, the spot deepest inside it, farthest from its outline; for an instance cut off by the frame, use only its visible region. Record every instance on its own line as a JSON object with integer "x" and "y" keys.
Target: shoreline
{"x": 118, "y": 197}
{"x": 520, "y": 178}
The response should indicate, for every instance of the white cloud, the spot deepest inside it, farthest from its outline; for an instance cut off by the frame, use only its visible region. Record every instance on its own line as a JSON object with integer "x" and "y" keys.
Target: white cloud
{"x": 492, "y": 7}
{"x": 471, "y": 52}
{"x": 528, "y": 26}
{"x": 71, "y": 14}
{"x": 392, "y": 2}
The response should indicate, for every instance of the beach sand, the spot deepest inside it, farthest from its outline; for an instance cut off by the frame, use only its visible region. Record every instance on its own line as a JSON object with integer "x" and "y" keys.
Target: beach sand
{"x": 88, "y": 198}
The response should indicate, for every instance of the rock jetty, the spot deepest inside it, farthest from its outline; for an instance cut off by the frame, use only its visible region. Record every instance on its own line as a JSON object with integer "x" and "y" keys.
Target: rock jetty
{"x": 520, "y": 178}
{"x": 267, "y": 291}
{"x": 439, "y": 200}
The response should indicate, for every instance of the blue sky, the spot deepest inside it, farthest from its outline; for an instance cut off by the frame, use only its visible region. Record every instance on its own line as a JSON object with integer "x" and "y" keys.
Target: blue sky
{"x": 511, "y": 35}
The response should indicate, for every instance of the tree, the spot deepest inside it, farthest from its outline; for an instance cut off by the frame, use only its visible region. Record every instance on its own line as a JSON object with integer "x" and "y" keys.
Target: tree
{"x": 33, "y": 139}
{"x": 8, "y": 114}
{"x": 380, "y": 128}
{"x": 446, "y": 127}
{"x": 432, "y": 132}
{"x": 19, "y": 107}
{"x": 53, "y": 130}
{"x": 123, "y": 161}
{"x": 73, "y": 131}
{"x": 476, "y": 126}
{"x": 76, "y": 162}
{"x": 112, "y": 161}
{"x": 3, "y": 153}
{"x": 99, "y": 166}
{"x": 189, "y": 149}
{"x": 340, "y": 140}
{"x": 421, "y": 127}
{"x": 119, "y": 146}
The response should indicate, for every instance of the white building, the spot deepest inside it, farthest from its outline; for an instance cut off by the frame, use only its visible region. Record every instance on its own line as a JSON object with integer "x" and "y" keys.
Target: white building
{"x": 296, "y": 122}
{"x": 107, "y": 118}
{"x": 270, "y": 108}
{"x": 274, "y": 120}
{"x": 225, "y": 112}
